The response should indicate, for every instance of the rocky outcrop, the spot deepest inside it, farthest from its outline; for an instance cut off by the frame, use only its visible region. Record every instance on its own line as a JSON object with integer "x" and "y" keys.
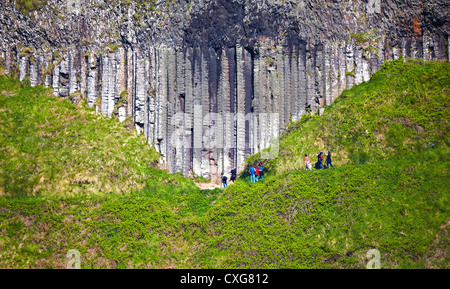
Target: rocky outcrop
{"x": 209, "y": 83}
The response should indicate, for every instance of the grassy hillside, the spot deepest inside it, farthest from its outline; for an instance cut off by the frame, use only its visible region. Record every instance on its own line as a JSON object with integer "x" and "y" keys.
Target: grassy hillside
{"x": 403, "y": 110}
{"x": 390, "y": 143}
{"x": 332, "y": 218}
{"x": 50, "y": 146}
{"x": 71, "y": 179}
{"x": 389, "y": 190}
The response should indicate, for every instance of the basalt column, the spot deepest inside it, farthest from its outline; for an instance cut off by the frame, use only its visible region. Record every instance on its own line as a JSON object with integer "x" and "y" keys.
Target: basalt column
{"x": 229, "y": 75}
{"x": 72, "y": 67}
{"x": 92, "y": 74}
{"x": 151, "y": 111}
{"x": 105, "y": 85}
{"x": 113, "y": 93}
{"x": 55, "y": 78}
{"x": 198, "y": 114}
{"x": 358, "y": 66}
{"x": 63, "y": 77}
{"x": 302, "y": 89}
{"x": 129, "y": 70}
{"x": 205, "y": 106}
{"x": 380, "y": 53}
{"x": 280, "y": 87}
{"x": 265, "y": 103}
{"x": 140, "y": 93}
{"x": 319, "y": 77}
{"x": 341, "y": 68}
{"x": 328, "y": 74}
{"x": 7, "y": 60}
{"x": 223, "y": 129}
{"x": 335, "y": 80}
{"x": 254, "y": 125}
{"x": 161, "y": 104}
{"x": 23, "y": 60}
{"x": 34, "y": 70}
{"x": 350, "y": 66}
{"x": 188, "y": 115}
{"x": 366, "y": 67}
{"x": 213, "y": 109}
{"x": 310, "y": 79}
{"x": 47, "y": 57}
{"x": 242, "y": 57}
{"x": 295, "y": 101}
{"x": 176, "y": 132}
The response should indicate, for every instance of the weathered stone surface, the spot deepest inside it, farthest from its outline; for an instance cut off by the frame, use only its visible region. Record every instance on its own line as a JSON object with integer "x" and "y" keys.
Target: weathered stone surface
{"x": 130, "y": 80}
{"x": 34, "y": 74}
{"x": 350, "y": 66}
{"x": 47, "y": 59}
{"x": 55, "y": 78}
{"x": 73, "y": 84}
{"x": 141, "y": 86}
{"x": 106, "y": 75}
{"x": 63, "y": 77}
{"x": 122, "y": 113}
{"x": 7, "y": 60}
{"x": 92, "y": 76}
{"x": 23, "y": 68}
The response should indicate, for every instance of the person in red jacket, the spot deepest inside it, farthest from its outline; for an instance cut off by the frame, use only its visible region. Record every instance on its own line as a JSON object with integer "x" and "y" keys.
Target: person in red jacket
{"x": 257, "y": 173}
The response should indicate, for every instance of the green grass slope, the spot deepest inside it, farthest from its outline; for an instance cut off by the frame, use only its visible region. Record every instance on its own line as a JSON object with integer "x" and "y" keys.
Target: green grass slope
{"x": 50, "y": 146}
{"x": 71, "y": 179}
{"x": 403, "y": 110}
{"x": 389, "y": 191}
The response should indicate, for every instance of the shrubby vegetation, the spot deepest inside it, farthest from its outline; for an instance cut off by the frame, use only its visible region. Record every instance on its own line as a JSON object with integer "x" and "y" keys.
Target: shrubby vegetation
{"x": 26, "y": 6}
{"x": 51, "y": 147}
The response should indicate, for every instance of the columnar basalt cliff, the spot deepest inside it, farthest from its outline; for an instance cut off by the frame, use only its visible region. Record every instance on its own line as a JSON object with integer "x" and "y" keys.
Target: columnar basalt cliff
{"x": 210, "y": 82}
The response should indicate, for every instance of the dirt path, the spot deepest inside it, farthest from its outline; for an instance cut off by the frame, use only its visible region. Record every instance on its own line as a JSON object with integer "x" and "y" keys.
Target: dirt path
{"x": 208, "y": 186}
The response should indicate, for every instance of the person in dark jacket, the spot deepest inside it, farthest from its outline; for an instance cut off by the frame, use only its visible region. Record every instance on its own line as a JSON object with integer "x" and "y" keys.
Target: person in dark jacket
{"x": 329, "y": 160}
{"x": 319, "y": 160}
{"x": 233, "y": 175}
{"x": 224, "y": 180}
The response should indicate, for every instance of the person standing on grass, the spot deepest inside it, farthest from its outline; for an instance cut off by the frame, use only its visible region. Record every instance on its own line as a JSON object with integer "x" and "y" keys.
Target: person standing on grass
{"x": 261, "y": 171}
{"x": 256, "y": 173}
{"x": 308, "y": 162}
{"x": 252, "y": 174}
{"x": 329, "y": 160}
{"x": 233, "y": 175}
{"x": 319, "y": 160}
{"x": 224, "y": 180}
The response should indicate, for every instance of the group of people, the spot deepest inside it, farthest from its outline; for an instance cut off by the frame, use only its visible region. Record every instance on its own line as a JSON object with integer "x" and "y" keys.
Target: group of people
{"x": 320, "y": 158}
{"x": 256, "y": 173}
{"x": 225, "y": 179}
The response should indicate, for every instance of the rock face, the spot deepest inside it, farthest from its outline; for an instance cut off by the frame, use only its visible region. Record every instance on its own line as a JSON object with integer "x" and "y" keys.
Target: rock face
{"x": 210, "y": 82}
